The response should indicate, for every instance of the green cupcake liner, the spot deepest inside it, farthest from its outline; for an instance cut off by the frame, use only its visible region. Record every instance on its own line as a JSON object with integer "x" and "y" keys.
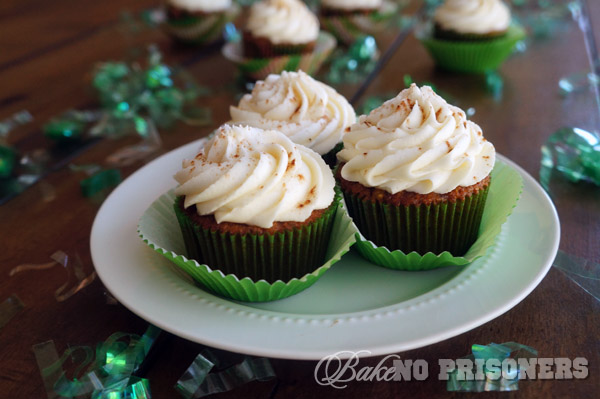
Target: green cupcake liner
{"x": 271, "y": 257}
{"x": 201, "y": 30}
{"x": 260, "y": 68}
{"x": 503, "y": 194}
{"x": 330, "y": 158}
{"x": 348, "y": 28}
{"x": 159, "y": 228}
{"x": 426, "y": 228}
{"x": 472, "y": 56}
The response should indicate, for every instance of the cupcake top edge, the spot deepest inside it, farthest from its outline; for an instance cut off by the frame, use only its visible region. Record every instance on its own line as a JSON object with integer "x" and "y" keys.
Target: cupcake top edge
{"x": 306, "y": 110}
{"x": 283, "y": 22}
{"x": 352, "y": 4}
{"x": 473, "y": 16}
{"x": 202, "y": 5}
{"x": 256, "y": 177}
{"x": 416, "y": 142}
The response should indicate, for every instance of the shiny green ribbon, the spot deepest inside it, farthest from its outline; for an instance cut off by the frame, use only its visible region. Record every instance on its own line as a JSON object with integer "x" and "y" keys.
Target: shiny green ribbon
{"x": 486, "y": 380}
{"x": 109, "y": 376}
{"x": 197, "y": 381}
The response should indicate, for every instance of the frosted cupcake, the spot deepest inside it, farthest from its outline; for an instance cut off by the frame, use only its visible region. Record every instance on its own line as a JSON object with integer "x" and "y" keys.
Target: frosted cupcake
{"x": 349, "y": 19}
{"x": 199, "y": 21}
{"x": 415, "y": 174}
{"x": 307, "y": 111}
{"x": 254, "y": 204}
{"x": 471, "y": 19}
{"x": 280, "y": 27}
{"x": 472, "y": 36}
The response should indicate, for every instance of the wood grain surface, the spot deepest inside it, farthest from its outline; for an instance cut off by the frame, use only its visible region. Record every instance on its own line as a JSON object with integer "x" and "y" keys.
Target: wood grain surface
{"x": 47, "y": 53}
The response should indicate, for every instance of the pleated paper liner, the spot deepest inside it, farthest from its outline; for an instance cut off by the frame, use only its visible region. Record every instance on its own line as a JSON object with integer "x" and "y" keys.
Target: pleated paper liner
{"x": 348, "y": 28}
{"x": 159, "y": 228}
{"x": 504, "y": 192}
{"x": 201, "y": 30}
{"x": 260, "y": 68}
{"x": 472, "y": 56}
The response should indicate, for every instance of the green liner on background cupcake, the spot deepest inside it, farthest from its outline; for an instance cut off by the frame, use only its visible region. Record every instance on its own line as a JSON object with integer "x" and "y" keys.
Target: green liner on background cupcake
{"x": 475, "y": 56}
{"x": 415, "y": 175}
{"x": 196, "y": 26}
{"x": 471, "y": 36}
{"x": 257, "y": 207}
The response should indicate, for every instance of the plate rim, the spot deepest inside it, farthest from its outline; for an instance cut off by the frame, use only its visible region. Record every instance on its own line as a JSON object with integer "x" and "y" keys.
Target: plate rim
{"x": 317, "y": 354}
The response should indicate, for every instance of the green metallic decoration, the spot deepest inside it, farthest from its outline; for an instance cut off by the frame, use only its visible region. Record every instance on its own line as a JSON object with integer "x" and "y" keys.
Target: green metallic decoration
{"x": 357, "y": 62}
{"x": 100, "y": 181}
{"x": 573, "y": 152}
{"x": 8, "y": 158}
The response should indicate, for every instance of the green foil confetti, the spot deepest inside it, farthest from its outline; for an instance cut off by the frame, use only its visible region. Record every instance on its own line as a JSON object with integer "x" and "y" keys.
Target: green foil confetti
{"x": 7, "y": 125}
{"x": 197, "y": 381}
{"x": 109, "y": 376}
{"x": 583, "y": 272}
{"x": 64, "y": 129}
{"x": 357, "y": 62}
{"x": 573, "y": 152}
{"x": 100, "y": 181}
{"x": 9, "y": 308}
{"x": 8, "y": 157}
{"x": 488, "y": 379}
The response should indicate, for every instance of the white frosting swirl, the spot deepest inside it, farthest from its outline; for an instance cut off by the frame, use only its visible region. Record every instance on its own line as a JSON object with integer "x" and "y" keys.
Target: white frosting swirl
{"x": 473, "y": 16}
{"x": 416, "y": 142}
{"x": 255, "y": 177}
{"x": 309, "y": 112}
{"x": 352, "y": 4}
{"x": 283, "y": 21}
{"x": 202, "y": 5}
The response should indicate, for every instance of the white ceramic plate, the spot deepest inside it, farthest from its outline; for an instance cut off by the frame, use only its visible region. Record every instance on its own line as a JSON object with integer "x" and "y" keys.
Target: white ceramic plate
{"x": 354, "y": 306}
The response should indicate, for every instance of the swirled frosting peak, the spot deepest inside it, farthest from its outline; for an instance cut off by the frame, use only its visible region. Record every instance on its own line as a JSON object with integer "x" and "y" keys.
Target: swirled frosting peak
{"x": 202, "y": 5}
{"x": 473, "y": 16}
{"x": 283, "y": 21}
{"x": 255, "y": 177}
{"x": 307, "y": 111}
{"x": 352, "y": 4}
{"x": 416, "y": 142}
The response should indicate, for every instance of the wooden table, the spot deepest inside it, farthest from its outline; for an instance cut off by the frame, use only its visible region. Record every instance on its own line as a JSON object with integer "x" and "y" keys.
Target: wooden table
{"x": 48, "y": 51}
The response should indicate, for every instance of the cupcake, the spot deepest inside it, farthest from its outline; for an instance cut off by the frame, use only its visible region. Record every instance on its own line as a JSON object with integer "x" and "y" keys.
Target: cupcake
{"x": 199, "y": 21}
{"x": 307, "y": 111}
{"x": 280, "y": 27}
{"x": 254, "y": 204}
{"x": 471, "y": 20}
{"x": 415, "y": 174}
{"x": 349, "y": 19}
{"x": 471, "y": 36}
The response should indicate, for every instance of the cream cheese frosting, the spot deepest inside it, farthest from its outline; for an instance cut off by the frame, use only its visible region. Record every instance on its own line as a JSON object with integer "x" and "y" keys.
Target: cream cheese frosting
{"x": 416, "y": 142}
{"x": 283, "y": 21}
{"x": 352, "y": 4}
{"x": 309, "y": 112}
{"x": 202, "y": 5}
{"x": 255, "y": 177}
{"x": 473, "y": 16}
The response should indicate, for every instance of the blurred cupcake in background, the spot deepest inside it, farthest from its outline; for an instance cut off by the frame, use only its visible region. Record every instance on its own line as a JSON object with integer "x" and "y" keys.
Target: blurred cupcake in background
{"x": 307, "y": 111}
{"x": 280, "y": 27}
{"x": 472, "y": 36}
{"x": 199, "y": 21}
{"x": 280, "y": 35}
{"x": 349, "y": 19}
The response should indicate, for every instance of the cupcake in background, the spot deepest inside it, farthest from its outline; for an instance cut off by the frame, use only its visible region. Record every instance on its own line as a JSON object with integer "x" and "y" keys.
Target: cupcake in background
{"x": 254, "y": 204}
{"x": 199, "y": 21}
{"x": 349, "y": 19}
{"x": 280, "y": 27}
{"x": 307, "y": 111}
{"x": 280, "y": 35}
{"x": 415, "y": 174}
{"x": 471, "y": 20}
{"x": 472, "y": 36}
